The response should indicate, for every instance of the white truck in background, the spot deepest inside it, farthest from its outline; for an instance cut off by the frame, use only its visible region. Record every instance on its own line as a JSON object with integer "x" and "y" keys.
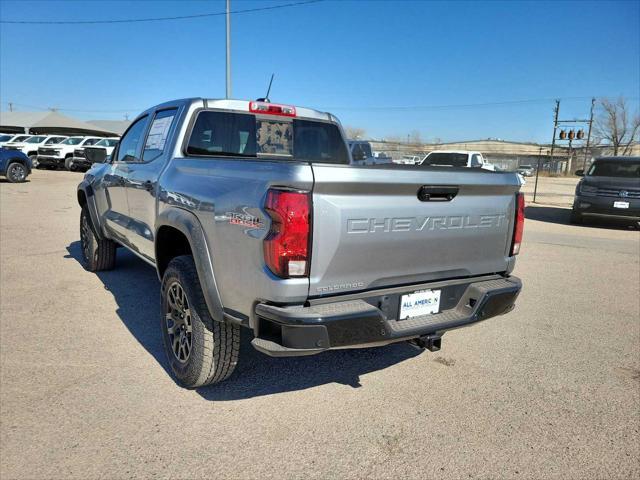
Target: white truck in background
{"x": 363, "y": 154}
{"x": 457, "y": 158}
{"x": 56, "y": 156}
{"x": 30, "y": 145}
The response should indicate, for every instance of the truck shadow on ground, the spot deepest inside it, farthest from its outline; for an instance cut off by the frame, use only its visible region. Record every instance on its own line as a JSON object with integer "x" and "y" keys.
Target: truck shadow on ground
{"x": 562, "y": 216}
{"x": 135, "y": 287}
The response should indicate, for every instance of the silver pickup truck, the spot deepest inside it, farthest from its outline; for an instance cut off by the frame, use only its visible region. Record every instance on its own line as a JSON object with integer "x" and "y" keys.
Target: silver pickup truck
{"x": 253, "y": 218}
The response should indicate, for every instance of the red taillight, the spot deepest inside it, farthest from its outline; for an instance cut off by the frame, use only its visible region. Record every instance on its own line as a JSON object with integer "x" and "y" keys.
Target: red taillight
{"x": 272, "y": 109}
{"x": 286, "y": 246}
{"x": 518, "y": 228}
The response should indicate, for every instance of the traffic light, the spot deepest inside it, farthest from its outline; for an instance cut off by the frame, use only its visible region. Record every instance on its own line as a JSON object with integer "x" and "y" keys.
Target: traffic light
{"x": 580, "y": 134}
{"x": 563, "y": 135}
{"x": 572, "y": 134}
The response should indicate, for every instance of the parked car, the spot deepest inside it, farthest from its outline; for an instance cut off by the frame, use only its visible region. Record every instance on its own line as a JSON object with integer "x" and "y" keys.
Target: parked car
{"x": 253, "y": 217}
{"x": 457, "y": 158}
{"x": 610, "y": 188}
{"x": 83, "y": 158}
{"x": 526, "y": 170}
{"x": 11, "y": 137}
{"x": 60, "y": 155}
{"x": 30, "y": 145}
{"x": 15, "y": 166}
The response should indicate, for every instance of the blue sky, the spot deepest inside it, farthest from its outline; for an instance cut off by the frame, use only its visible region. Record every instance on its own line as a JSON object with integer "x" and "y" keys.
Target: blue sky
{"x": 352, "y": 57}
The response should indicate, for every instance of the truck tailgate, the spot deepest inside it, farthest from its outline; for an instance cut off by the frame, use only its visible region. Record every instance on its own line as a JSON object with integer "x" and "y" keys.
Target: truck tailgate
{"x": 371, "y": 229}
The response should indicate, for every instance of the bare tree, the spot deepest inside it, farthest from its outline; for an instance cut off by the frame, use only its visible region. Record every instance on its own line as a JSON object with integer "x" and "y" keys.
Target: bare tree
{"x": 355, "y": 133}
{"x": 394, "y": 139}
{"x": 614, "y": 125}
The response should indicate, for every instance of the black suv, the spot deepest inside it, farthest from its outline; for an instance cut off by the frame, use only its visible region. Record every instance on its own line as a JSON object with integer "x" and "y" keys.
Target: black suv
{"x": 610, "y": 188}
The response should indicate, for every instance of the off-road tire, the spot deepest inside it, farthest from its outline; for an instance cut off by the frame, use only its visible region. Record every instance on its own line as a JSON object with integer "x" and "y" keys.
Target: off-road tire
{"x": 16, "y": 172}
{"x": 97, "y": 254}
{"x": 215, "y": 345}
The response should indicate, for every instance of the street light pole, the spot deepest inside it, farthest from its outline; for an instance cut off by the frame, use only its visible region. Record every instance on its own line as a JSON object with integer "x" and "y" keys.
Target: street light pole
{"x": 228, "y": 90}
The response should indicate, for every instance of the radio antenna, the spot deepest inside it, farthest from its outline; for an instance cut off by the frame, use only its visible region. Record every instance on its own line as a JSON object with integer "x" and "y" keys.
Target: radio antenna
{"x": 269, "y": 89}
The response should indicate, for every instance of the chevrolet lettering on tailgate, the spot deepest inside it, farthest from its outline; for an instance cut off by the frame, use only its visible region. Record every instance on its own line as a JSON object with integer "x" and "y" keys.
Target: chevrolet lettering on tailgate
{"x": 418, "y": 224}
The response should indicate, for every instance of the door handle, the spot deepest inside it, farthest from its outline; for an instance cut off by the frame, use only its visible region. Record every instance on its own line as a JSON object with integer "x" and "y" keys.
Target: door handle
{"x": 437, "y": 193}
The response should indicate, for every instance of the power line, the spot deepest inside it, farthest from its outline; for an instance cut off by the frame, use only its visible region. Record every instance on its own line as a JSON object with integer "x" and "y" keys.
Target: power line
{"x": 157, "y": 19}
{"x": 458, "y": 105}
{"x": 377, "y": 108}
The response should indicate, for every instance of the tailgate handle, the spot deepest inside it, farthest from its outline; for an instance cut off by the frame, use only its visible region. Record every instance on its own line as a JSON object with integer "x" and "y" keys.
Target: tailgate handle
{"x": 428, "y": 193}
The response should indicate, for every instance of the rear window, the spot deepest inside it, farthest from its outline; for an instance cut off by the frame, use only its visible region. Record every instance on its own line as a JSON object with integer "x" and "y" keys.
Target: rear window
{"x": 244, "y": 135}
{"x": 447, "y": 159}
{"x": 613, "y": 168}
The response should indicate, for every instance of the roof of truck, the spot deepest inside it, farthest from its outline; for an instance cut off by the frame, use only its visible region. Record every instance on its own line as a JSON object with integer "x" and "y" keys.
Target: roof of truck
{"x": 243, "y": 106}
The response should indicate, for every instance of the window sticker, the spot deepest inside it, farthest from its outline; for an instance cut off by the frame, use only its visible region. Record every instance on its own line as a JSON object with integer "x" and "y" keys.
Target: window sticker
{"x": 158, "y": 133}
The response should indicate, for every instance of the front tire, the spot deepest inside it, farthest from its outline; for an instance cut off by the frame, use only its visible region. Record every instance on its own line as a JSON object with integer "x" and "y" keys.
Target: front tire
{"x": 97, "y": 254}
{"x": 16, "y": 172}
{"x": 34, "y": 161}
{"x": 200, "y": 350}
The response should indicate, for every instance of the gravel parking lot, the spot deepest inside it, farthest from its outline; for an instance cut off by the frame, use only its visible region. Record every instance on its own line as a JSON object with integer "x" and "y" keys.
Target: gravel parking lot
{"x": 551, "y": 390}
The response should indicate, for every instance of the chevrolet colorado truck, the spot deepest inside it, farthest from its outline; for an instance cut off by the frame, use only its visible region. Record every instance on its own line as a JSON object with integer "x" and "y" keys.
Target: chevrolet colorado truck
{"x": 254, "y": 218}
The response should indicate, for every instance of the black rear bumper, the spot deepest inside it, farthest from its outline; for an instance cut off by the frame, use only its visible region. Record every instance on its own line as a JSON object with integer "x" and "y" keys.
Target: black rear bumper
{"x": 294, "y": 331}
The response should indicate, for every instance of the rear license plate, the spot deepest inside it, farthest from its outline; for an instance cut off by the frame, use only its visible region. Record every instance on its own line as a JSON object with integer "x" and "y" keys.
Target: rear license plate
{"x": 620, "y": 204}
{"x": 415, "y": 304}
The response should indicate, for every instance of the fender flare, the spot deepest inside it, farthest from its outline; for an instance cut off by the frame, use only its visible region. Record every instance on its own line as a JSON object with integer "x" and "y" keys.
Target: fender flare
{"x": 189, "y": 225}
{"x": 87, "y": 190}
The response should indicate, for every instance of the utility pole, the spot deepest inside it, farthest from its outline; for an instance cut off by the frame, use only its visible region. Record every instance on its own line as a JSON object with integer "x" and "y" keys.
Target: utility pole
{"x": 586, "y": 148}
{"x": 228, "y": 49}
{"x": 553, "y": 145}
{"x": 10, "y": 106}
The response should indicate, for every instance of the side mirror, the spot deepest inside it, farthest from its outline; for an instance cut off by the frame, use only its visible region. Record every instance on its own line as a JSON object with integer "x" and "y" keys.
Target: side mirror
{"x": 107, "y": 159}
{"x": 580, "y": 173}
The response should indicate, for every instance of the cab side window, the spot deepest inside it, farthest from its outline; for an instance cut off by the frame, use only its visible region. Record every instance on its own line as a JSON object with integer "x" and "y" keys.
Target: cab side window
{"x": 475, "y": 161}
{"x": 128, "y": 149}
{"x": 158, "y": 134}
